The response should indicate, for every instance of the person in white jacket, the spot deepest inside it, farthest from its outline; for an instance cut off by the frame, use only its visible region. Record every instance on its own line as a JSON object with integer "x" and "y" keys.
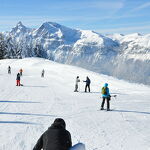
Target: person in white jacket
{"x": 77, "y": 84}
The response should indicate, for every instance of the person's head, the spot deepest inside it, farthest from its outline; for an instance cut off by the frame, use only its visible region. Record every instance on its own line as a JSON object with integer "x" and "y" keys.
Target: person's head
{"x": 59, "y": 122}
{"x": 87, "y": 77}
{"x": 106, "y": 85}
{"x": 77, "y": 76}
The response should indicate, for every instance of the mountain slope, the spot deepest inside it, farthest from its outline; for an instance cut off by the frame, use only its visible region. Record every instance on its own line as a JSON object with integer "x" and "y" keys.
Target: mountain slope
{"x": 123, "y": 56}
{"x": 27, "y": 111}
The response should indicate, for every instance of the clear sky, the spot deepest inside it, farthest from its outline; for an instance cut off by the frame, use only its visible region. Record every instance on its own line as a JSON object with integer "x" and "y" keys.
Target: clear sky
{"x": 104, "y": 16}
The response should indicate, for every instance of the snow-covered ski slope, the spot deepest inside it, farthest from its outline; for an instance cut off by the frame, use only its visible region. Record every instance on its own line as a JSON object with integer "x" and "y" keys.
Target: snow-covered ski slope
{"x": 27, "y": 111}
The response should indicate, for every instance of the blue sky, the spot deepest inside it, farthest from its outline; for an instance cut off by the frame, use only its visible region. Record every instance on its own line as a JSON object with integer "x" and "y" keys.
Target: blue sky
{"x": 104, "y": 16}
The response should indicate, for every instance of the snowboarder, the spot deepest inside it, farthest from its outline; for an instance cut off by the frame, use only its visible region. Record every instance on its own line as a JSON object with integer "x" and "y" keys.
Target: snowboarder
{"x": 55, "y": 138}
{"x": 88, "y": 82}
{"x": 18, "y": 79}
{"x": 21, "y": 71}
{"x": 76, "y": 85}
{"x": 43, "y": 72}
{"x": 9, "y": 70}
{"x": 106, "y": 96}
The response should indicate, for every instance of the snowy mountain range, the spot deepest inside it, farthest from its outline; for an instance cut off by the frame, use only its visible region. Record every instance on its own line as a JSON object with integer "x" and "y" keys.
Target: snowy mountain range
{"x": 122, "y": 56}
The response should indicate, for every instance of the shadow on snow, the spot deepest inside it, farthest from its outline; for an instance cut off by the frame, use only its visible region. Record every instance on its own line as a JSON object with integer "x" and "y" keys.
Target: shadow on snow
{"x": 139, "y": 112}
{"x": 89, "y": 92}
{"x": 38, "y": 86}
{"x": 26, "y": 114}
{"x": 18, "y": 122}
{"x": 18, "y": 102}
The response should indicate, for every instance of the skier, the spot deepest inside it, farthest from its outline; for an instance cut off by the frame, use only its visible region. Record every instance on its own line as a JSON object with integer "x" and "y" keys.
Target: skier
{"x": 21, "y": 71}
{"x": 106, "y": 96}
{"x": 55, "y": 138}
{"x": 18, "y": 79}
{"x": 9, "y": 70}
{"x": 42, "y": 74}
{"x": 76, "y": 85}
{"x": 88, "y": 82}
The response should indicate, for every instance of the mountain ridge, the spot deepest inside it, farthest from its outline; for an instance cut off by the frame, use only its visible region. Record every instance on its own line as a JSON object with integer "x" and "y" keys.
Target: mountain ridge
{"x": 123, "y": 56}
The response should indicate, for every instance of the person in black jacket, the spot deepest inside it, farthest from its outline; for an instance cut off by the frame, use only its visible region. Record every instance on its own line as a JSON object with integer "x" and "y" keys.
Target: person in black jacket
{"x": 42, "y": 74}
{"x": 88, "y": 82}
{"x": 18, "y": 79}
{"x": 9, "y": 70}
{"x": 55, "y": 138}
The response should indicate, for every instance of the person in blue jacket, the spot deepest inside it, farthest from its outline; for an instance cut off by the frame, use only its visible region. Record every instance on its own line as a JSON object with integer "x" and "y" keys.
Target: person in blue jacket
{"x": 106, "y": 97}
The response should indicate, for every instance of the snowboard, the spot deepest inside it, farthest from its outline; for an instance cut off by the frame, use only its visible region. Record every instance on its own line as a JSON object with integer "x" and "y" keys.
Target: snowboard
{"x": 79, "y": 146}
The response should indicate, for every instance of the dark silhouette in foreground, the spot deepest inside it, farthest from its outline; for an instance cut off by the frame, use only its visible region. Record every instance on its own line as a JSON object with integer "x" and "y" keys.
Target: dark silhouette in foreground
{"x": 55, "y": 138}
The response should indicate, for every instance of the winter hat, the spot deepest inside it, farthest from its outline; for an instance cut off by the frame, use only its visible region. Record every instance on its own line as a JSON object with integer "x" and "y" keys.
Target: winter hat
{"x": 60, "y": 121}
{"x": 106, "y": 84}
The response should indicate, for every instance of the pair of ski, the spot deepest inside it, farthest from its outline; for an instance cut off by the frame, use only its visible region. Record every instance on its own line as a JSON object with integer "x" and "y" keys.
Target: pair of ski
{"x": 20, "y": 85}
{"x": 105, "y": 110}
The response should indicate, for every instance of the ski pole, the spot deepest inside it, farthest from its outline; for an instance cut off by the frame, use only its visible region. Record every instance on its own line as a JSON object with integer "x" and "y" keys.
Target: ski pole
{"x": 113, "y": 95}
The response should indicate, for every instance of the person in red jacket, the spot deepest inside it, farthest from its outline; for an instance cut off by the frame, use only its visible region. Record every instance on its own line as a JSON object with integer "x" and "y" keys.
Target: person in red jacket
{"x": 21, "y": 71}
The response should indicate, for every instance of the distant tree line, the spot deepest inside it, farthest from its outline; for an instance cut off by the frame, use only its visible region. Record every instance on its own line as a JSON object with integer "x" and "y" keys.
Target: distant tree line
{"x": 9, "y": 48}
{"x": 3, "y": 47}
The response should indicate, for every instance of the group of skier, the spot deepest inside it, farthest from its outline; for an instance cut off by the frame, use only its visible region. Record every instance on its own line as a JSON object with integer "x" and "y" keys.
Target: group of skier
{"x": 57, "y": 137}
{"x": 105, "y": 91}
{"x": 87, "y": 81}
{"x": 19, "y": 74}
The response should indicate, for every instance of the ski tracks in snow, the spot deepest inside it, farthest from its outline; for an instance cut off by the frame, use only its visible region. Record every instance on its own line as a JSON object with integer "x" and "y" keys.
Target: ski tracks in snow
{"x": 26, "y": 112}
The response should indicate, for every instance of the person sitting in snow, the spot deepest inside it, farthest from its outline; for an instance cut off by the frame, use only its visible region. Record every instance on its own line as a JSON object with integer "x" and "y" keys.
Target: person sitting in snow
{"x": 106, "y": 96}
{"x": 76, "y": 85}
{"x": 55, "y": 138}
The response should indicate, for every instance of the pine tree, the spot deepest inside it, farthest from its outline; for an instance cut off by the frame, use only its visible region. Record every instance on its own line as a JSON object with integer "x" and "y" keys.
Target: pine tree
{"x": 3, "y": 47}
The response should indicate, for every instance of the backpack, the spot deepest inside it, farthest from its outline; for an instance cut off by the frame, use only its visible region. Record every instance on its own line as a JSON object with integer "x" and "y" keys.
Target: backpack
{"x": 104, "y": 90}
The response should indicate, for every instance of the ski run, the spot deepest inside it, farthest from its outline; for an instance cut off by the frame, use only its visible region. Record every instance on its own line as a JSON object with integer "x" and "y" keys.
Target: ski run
{"x": 27, "y": 111}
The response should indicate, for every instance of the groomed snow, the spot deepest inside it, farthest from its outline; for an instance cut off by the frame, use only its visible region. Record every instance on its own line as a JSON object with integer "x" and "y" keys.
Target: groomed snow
{"x": 27, "y": 111}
